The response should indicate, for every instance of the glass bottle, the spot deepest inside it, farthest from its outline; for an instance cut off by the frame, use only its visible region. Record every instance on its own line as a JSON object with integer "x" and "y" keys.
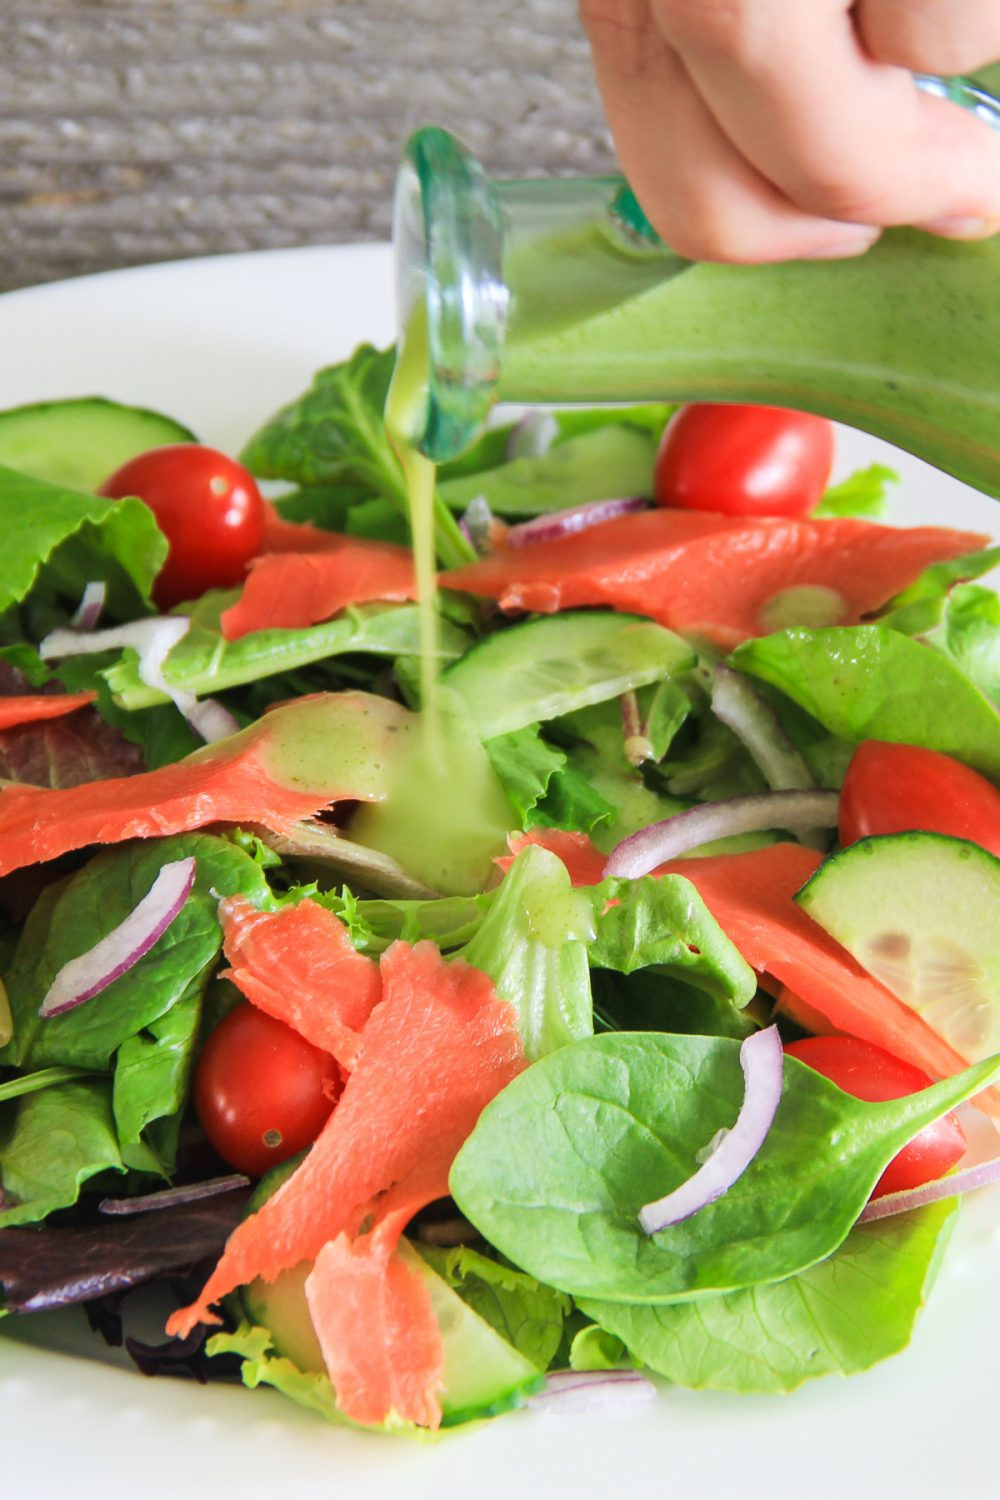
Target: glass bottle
{"x": 558, "y": 290}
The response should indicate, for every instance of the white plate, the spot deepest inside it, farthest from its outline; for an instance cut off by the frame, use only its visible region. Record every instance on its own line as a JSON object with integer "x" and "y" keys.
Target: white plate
{"x": 220, "y": 344}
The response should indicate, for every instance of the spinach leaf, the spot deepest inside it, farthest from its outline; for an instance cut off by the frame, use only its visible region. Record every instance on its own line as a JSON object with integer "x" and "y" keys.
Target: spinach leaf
{"x": 527, "y": 1314}
{"x": 533, "y": 944}
{"x": 868, "y": 682}
{"x": 52, "y": 1142}
{"x": 840, "y": 1316}
{"x": 560, "y": 1163}
{"x": 71, "y": 916}
{"x": 113, "y": 539}
{"x": 335, "y": 435}
{"x": 152, "y": 1070}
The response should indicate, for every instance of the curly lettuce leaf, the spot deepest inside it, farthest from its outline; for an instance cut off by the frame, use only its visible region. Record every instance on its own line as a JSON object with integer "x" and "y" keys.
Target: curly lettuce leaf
{"x": 76, "y": 538}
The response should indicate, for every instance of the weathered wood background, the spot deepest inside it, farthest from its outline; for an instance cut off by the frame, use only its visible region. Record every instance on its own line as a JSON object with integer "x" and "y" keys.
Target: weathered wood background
{"x": 142, "y": 130}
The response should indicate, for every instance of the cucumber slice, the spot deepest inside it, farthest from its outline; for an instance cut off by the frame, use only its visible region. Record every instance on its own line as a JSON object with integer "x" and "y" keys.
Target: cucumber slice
{"x": 555, "y": 664}
{"x": 920, "y": 912}
{"x": 483, "y": 1374}
{"x": 80, "y": 443}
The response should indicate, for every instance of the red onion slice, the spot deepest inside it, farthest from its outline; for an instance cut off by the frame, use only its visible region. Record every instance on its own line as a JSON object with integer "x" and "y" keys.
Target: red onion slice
{"x": 762, "y": 1061}
{"x": 559, "y": 523}
{"x": 153, "y": 639}
{"x": 654, "y": 845}
{"x": 86, "y": 976}
{"x": 531, "y": 436}
{"x": 588, "y": 1390}
{"x": 91, "y": 606}
{"x": 736, "y": 701}
{"x": 985, "y": 1174}
{"x": 173, "y": 1197}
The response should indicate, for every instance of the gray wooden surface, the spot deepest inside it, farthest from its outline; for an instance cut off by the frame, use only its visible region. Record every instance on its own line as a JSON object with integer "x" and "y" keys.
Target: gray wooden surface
{"x": 142, "y": 130}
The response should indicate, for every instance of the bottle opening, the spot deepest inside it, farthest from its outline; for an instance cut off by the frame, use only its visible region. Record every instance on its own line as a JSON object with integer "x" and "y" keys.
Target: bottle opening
{"x": 451, "y": 299}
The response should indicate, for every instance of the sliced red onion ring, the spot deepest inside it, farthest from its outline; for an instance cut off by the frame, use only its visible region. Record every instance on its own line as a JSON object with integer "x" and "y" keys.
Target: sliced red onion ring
{"x": 531, "y": 436}
{"x": 655, "y": 844}
{"x": 985, "y": 1174}
{"x": 86, "y": 976}
{"x": 173, "y": 1197}
{"x": 762, "y": 1060}
{"x": 153, "y": 639}
{"x": 481, "y": 527}
{"x": 736, "y": 701}
{"x": 91, "y": 606}
{"x": 558, "y": 523}
{"x": 587, "y": 1390}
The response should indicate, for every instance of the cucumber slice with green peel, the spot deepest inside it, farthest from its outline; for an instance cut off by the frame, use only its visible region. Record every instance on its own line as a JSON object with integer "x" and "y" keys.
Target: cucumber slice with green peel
{"x": 483, "y": 1374}
{"x": 80, "y": 443}
{"x": 554, "y": 664}
{"x": 921, "y": 912}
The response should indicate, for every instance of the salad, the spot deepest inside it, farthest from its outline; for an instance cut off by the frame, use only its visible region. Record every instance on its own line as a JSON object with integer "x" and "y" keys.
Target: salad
{"x": 468, "y": 1216}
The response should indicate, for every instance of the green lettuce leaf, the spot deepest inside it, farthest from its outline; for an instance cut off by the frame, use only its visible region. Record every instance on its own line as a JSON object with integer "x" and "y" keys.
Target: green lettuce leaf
{"x": 204, "y": 662}
{"x": 839, "y": 1317}
{"x": 862, "y": 493}
{"x": 542, "y": 787}
{"x": 152, "y": 1072}
{"x": 77, "y": 538}
{"x": 51, "y": 1143}
{"x": 533, "y": 944}
{"x": 869, "y": 682}
{"x": 663, "y": 921}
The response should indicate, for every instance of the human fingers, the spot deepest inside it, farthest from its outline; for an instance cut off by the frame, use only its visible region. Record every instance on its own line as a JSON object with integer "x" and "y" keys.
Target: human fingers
{"x": 705, "y": 199}
{"x": 840, "y": 134}
{"x": 930, "y": 36}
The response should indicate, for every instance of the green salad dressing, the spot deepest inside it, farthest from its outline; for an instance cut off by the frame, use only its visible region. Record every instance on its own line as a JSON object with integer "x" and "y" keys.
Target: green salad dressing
{"x": 560, "y": 291}
{"x": 444, "y": 758}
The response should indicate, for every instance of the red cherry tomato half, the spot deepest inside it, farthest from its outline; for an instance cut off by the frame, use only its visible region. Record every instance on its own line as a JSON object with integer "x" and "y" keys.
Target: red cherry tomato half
{"x": 868, "y": 1072}
{"x": 744, "y": 460}
{"x": 261, "y": 1092}
{"x": 895, "y": 788}
{"x": 208, "y": 508}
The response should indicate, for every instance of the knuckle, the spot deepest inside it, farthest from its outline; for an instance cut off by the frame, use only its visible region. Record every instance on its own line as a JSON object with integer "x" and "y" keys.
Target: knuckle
{"x": 738, "y": 30}
{"x": 930, "y": 38}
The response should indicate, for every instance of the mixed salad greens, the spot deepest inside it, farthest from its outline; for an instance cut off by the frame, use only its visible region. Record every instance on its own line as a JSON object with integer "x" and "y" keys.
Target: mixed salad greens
{"x": 523, "y": 966}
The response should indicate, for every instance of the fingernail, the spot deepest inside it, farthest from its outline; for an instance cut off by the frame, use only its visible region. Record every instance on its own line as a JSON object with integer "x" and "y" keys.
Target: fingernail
{"x": 845, "y": 247}
{"x": 958, "y": 228}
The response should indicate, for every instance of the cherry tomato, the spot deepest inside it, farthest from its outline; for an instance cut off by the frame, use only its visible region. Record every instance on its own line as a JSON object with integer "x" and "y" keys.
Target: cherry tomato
{"x": 208, "y": 508}
{"x": 261, "y": 1092}
{"x": 744, "y": 460}
{"x": 866, "y": 1071}
{"x": 894, "y": 788}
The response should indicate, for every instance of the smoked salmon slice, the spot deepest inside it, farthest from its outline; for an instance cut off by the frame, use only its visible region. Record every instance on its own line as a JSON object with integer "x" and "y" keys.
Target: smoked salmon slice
{"x": 293, "y": 590}
{"x": 721, "y": 578}
{"x": 300, "y": 966}
{"x": 752, "y": 897}
{"x": 286, "y": 766}
{"x": 30, "y": 708}
{"x": 436, "y": 1048}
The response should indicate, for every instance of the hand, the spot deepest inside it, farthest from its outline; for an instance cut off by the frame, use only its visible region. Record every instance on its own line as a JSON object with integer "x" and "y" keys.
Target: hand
{"x": 755, "y": 130}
